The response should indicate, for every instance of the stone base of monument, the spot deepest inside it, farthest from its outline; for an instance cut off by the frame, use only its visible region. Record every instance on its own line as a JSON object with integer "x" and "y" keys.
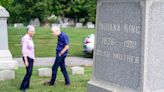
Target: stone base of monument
{"x": 97, "y": 87}
{"x": 7, "y": 69}
{"x": 102, "y": 86}
{"x": 7, "y": 65}
{"x": 7, "y": 74}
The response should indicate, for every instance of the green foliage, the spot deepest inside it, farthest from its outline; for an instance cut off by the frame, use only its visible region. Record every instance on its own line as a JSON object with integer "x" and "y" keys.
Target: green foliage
{"x": 53, "y": 19}
{"x": 5, "y": 3}
{"x": 79, "y": 10}
{"x": 25, "y": 10}
{"x": 91, "y": 10}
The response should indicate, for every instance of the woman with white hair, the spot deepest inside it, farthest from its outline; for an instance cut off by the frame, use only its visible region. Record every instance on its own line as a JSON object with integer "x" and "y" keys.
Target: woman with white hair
{"x": 28, "y": 56}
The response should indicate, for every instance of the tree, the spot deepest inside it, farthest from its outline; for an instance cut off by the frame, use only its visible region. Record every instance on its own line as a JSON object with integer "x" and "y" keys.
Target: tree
{"x": 91, "y": 7}
{"x": 79, "y": 10}
{"x": 25, "y": 10}
{"x": 6, "y": 3}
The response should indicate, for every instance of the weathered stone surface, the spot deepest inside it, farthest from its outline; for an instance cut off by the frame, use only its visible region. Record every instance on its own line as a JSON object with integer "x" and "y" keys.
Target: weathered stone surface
{"x": 7, "y": 74}
{"x": 79, "y": 25}
{"x": 18, "y": 25}
{"x": 3, "y": 12}
{"x": 45, "y": 72}
{"x": 9, "y": 65}
{"x": 90, "y": 25}
{"x": 129, "y": 47}
{"x": 77, "y": 70}
{"x": 5, "y": 55}
{"x": 6, "y": 63}
{"x": 35, "y": 22}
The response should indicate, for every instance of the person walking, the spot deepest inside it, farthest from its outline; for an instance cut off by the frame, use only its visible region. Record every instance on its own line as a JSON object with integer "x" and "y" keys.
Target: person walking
{"x": 61, "y": 53}
{"x": 28, "y": 56}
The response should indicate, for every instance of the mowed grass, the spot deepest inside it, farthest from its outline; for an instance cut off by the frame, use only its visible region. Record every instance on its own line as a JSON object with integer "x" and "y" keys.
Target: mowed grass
{"x": 45, "y": 43}
{"x": 78, "y": 82}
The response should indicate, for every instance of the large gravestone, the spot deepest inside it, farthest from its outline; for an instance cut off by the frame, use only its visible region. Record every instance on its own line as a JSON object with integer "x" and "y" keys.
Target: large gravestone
{"x": 129, "y": 51}
{"x": 7, "y": 65}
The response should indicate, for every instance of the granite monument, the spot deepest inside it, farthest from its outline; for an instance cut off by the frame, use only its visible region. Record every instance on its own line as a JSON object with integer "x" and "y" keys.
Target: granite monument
{"x": 7, "y": 65}
{"x": 129, "y": 51}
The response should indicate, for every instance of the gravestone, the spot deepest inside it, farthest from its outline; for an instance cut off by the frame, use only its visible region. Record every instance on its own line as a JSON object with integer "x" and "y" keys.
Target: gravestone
{"x": 64, "y": 25}
{"x": 35, "y": 22}
{"x": 129, "y": 51}
{"x": 7, "y": 74}
{"x": 44, "y": 72}
{"x": 79, "y": 25}
{"x": 77, "y": 70}
{"x": 7, "y": 65}
{"x": 54, "y": 24}
{"x": 90, "y": 25}
{"x": 18, "y": 25}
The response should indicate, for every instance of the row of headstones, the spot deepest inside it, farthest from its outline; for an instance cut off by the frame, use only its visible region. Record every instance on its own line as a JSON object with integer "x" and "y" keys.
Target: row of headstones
{"x": 63, "y": 25}
{"x": 47, "y": 72}
{"x": 42, "y": 72}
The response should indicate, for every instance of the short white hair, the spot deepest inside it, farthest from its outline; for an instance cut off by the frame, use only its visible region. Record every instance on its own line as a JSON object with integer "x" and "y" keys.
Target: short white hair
{"x": 31, "y": 28}
{"x": 55, "y": 28}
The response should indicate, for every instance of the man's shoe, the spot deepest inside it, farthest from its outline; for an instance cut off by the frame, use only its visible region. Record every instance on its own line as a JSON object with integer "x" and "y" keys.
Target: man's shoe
{"x": 68, "y": 84}
{"x": 23, "y": 90}
{"x": 48, "y": 83}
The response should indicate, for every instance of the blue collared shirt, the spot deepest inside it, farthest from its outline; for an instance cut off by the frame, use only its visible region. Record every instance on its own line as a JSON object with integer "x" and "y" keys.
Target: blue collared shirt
{"x": 63, "y": 40}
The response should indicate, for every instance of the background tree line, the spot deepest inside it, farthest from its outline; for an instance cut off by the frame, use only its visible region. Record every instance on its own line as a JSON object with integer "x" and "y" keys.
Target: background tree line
{"x": 25, "y": 10}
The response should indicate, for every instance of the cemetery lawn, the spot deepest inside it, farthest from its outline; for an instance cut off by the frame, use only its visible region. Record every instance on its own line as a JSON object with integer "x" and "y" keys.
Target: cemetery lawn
{"x": 45, "y": 43}
{"x": 78, "y": 82}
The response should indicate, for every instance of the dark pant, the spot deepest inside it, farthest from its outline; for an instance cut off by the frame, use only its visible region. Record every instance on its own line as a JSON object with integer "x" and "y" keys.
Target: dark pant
{"x": 26, "y": 80}
{"x": 59, "y": 61}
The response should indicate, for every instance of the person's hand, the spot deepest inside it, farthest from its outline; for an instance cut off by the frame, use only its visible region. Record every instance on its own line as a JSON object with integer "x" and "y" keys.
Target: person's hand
{"x": 26, "y": 63}
{"x": 60, "y": 54}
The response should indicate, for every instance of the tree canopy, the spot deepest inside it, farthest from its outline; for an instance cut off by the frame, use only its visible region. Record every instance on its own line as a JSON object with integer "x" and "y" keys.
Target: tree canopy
{"x": 6, "y": 3}
{"x": 25, "y": 10}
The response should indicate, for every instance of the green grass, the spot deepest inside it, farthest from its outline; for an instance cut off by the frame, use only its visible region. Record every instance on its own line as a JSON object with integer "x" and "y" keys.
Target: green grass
{"x": 45, "y": 43}
{"x": 78, "y": 82}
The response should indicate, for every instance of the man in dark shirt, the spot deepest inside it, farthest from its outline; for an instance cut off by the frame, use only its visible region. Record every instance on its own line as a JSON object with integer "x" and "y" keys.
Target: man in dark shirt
{"x": 61, "y": 53}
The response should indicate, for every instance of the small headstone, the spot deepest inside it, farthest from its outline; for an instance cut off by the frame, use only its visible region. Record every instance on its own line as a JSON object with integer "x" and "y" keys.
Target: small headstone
{"x": 64, "y": 25}
{"x": 77, "y": 70}
{"x": 54, "y": 24}
{"x": 90, "y": 25}
{"x": 65, "y": 20}
{"x": 7, "y": 74}
{"x": 35, "y": 22}
{"x": 45, "y": 72}
{"x": 71, "y": 23}
{"x": 79, "y": 25}
{"x": 18, "y": 25}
